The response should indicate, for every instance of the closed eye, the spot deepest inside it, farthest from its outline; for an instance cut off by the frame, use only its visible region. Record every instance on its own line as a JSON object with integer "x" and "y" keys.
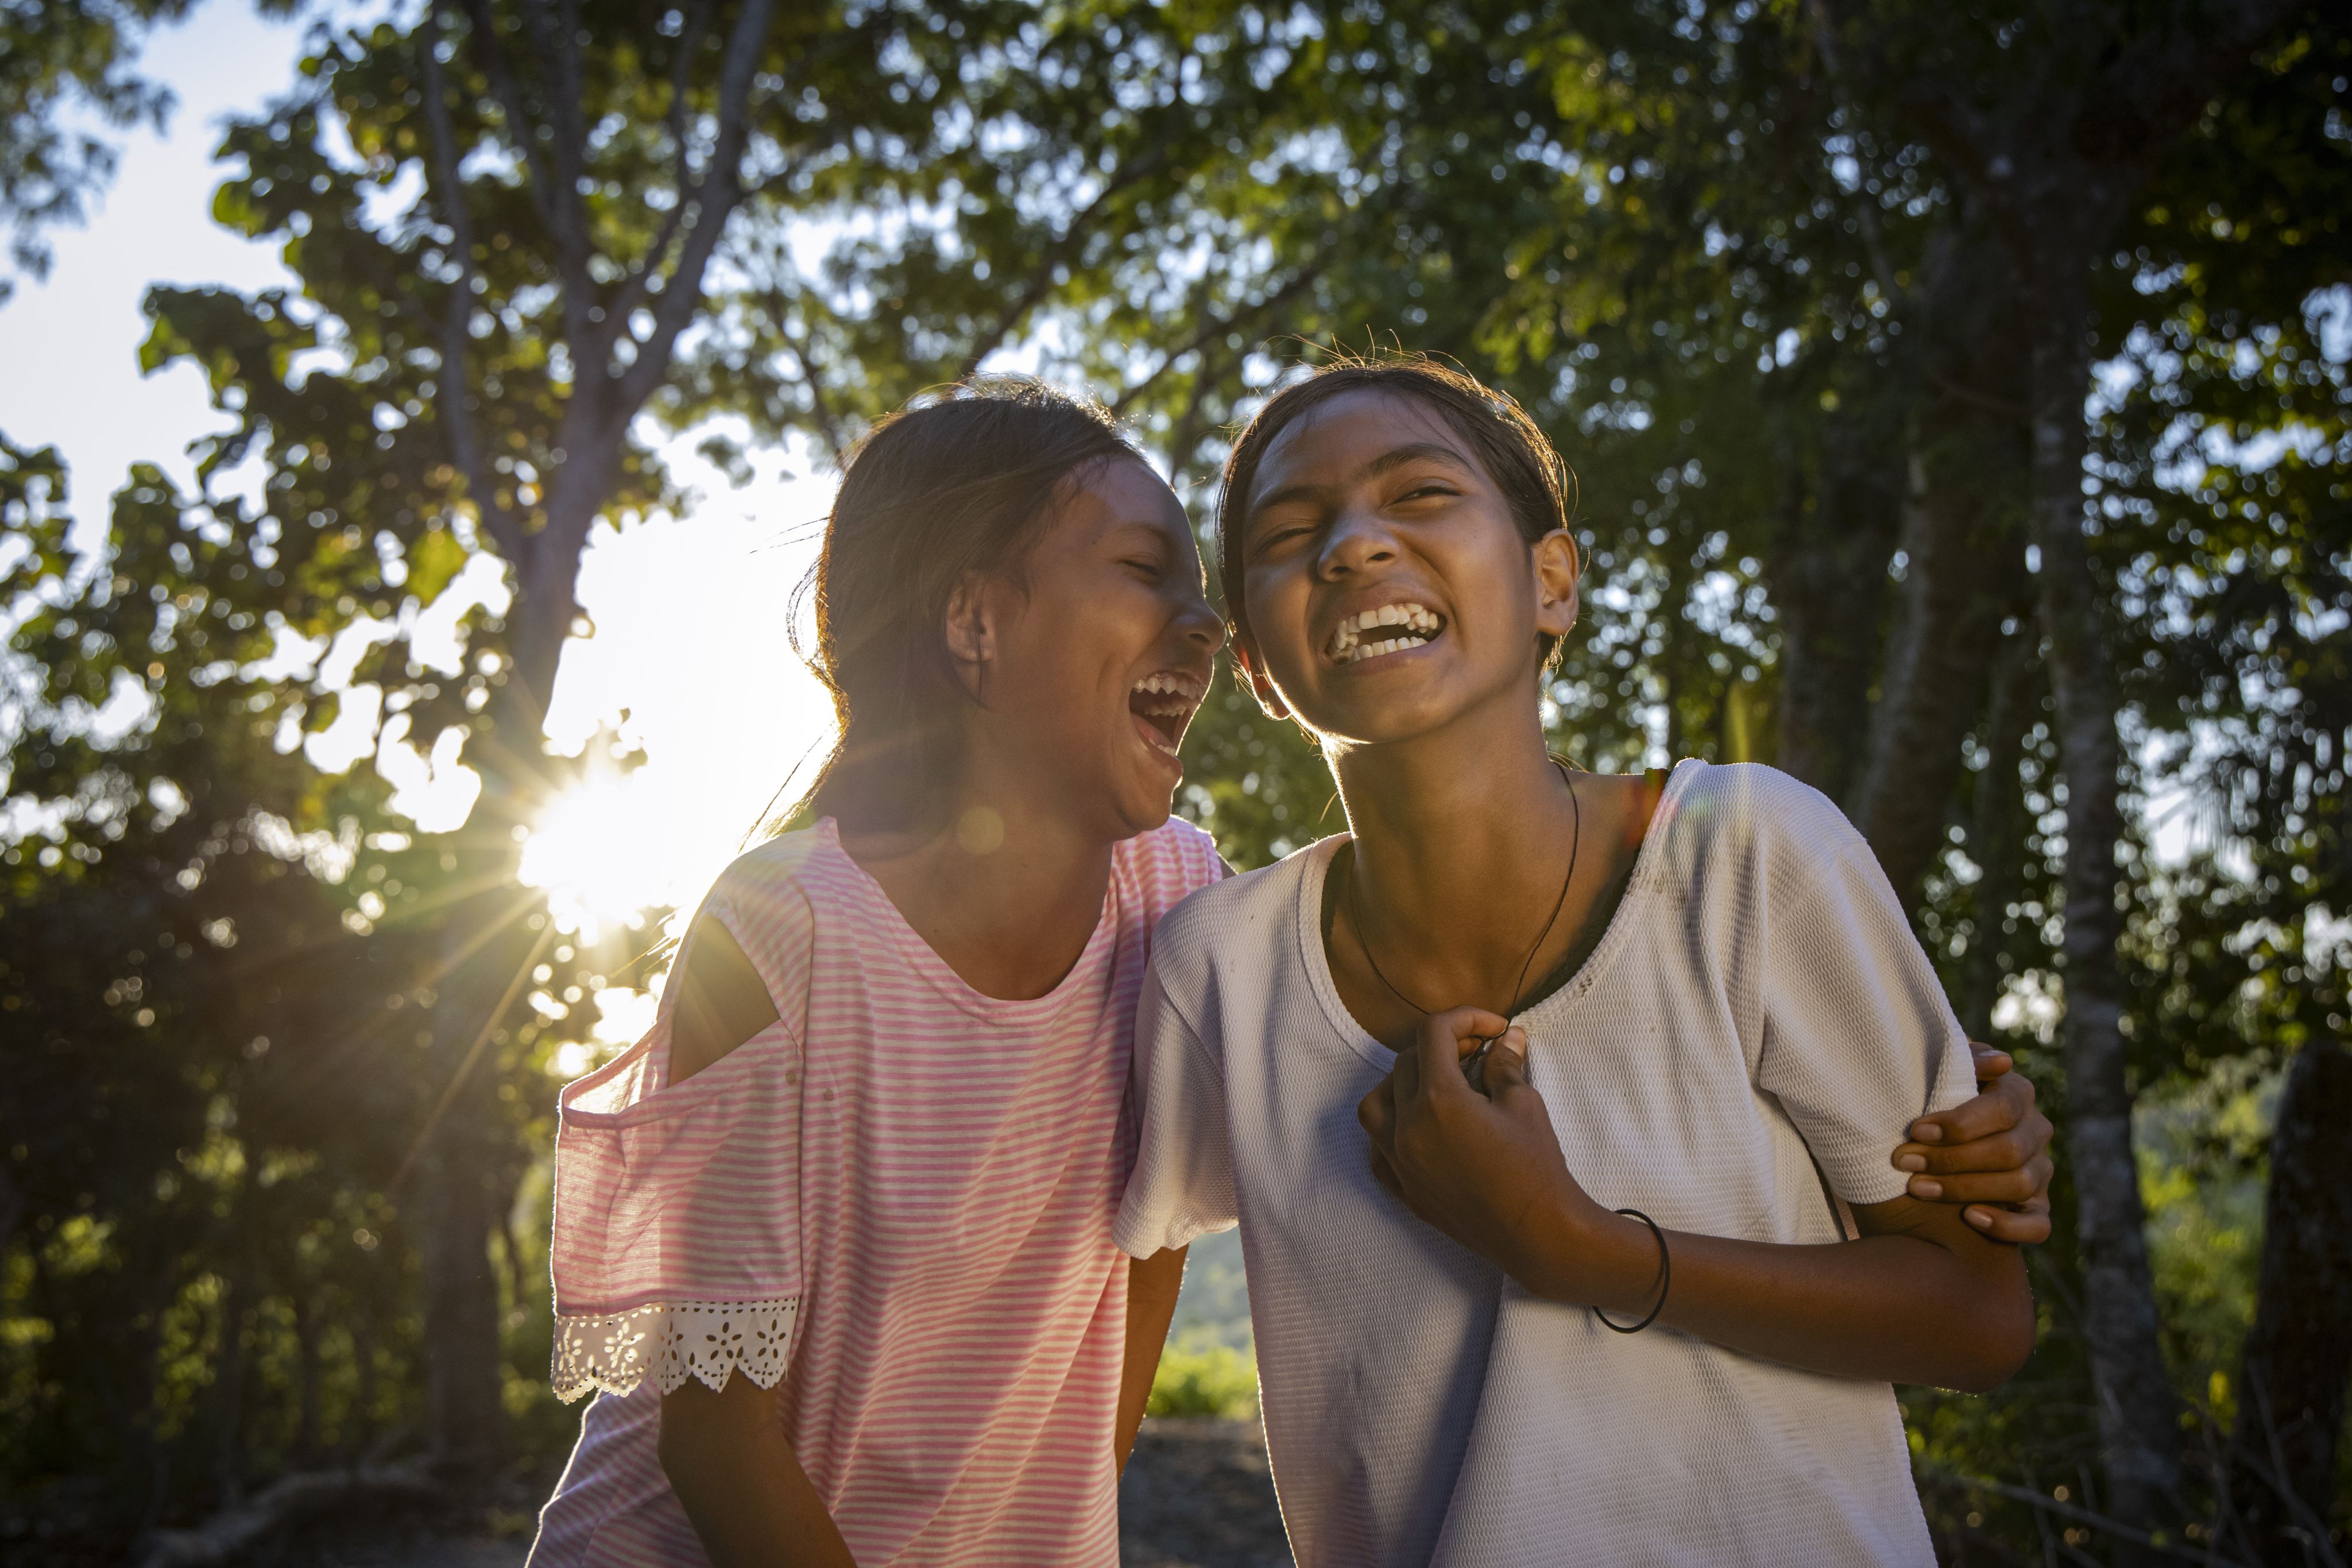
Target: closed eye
{"x": 1277, "y": 534}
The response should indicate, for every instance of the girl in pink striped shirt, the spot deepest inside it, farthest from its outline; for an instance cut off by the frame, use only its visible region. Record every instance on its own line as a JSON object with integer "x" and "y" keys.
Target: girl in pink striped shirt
{"x": 834, "y": 1240}
{"x": 849, "y": 1285}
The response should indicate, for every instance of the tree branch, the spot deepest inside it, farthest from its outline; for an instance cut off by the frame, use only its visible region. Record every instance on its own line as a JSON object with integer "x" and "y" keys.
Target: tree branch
{"x": 634, "y": 287}
{"x": 567, "y": 208}
{"x": 828, "y": 425}
{"x": 509, "y": 93}
{"x": 716, "y": 197}
{"x": 1298, "y": 283}
{"x": 454, "y": 405}
{"x": 1041, "y": 277}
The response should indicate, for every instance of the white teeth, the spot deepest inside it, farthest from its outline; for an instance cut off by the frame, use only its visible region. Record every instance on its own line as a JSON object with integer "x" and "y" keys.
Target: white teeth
{"x": 1348, "y": 647}
{"x": 1363, "y": 650}
{"x": 1172, "y": 682}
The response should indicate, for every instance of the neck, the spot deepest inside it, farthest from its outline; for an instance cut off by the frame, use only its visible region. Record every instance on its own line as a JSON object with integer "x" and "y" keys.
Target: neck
{"x": 1006, "y": 882}
{"x": 1447, "y": 826}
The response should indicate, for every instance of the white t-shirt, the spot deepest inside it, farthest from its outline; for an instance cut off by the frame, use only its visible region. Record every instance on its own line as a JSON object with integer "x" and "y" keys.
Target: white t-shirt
{"x": 1756, "y": 1006}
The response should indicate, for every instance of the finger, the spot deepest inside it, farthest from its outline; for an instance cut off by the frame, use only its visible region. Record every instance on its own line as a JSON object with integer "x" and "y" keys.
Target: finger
{"x": 1506, "y": 1063}
{"x": 1404, "y": 1075}
{"x": 1385, "y": 1173}
{"x": 1376, "y": 1111}
{"x": 1992, "y": 1062}
{"x": 1439, "y": 1048}
{"x": 2024, "y": 1227}
{"x": 1993, "y": 1186}
{"x": 1996, "y": 1110}
{"x": 2004, "y": 1150}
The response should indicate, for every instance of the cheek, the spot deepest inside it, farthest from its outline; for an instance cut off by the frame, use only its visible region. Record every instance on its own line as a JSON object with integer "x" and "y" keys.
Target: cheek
{"x": 1073, "y": 649}
{"x": 1278, "y": 615}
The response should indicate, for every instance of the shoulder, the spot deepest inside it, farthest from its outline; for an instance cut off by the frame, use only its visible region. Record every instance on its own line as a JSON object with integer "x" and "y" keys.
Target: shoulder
{"x": 782, "y": 862}
{"x": 1747, "y": 808}
{"x": 769, "y": 882}
{"x": 1170, "y": 861}
{"x": 1237, "y": 915}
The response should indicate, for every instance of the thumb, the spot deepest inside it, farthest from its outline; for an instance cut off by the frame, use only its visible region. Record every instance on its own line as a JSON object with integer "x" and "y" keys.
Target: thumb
{"x": 1506, "y": 1062}
{"x": 1446, "y": 1038}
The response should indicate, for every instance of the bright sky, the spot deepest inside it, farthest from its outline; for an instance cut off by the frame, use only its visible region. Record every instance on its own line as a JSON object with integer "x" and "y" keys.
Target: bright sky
{"x": 690, "y": 613}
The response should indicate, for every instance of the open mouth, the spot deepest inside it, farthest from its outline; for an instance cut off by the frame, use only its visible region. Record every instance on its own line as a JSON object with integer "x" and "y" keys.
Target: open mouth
{"x": 1390, "y": 628}
{"x": 1163, "y": 705}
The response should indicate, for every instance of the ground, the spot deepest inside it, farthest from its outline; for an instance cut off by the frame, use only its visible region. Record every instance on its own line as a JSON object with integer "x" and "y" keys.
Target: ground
{"x": 1197, "y": 1495}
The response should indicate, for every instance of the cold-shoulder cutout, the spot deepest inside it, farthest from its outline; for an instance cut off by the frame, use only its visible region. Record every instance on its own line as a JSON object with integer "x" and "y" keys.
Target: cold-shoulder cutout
{"x": 721, "y": 1002}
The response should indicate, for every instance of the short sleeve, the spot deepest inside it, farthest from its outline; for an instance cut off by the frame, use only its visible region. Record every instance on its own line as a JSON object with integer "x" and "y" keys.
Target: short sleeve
{"x": 1858, "y": 1039}
{"x": 1182, "y": 1183}
{"x": 676, "y": 1248}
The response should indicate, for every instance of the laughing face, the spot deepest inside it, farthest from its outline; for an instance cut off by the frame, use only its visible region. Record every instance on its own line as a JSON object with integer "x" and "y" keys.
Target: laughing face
{"x": 1391, "y": 592}
{"x": 1098, "y": 658}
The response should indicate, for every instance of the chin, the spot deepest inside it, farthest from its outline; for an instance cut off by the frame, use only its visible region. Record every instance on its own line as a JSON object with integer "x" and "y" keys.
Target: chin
{"x": 1143, "y": 809}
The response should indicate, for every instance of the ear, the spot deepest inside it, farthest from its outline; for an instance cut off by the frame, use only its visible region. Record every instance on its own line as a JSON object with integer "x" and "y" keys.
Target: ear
{"x": 1557, "y": 565}
{"x": 971, "y": 629}
{"x": 1261, "y": 687}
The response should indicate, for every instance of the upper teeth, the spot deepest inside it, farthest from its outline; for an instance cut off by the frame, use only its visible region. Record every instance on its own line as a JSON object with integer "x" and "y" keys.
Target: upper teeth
{"x": 1169, "y": 681}
{"x": 1416, "y": 622}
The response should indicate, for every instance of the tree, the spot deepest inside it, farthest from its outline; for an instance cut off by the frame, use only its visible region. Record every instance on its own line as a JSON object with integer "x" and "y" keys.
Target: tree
{"x": 498, "y": 333}
{"x": 2054, "y": 121}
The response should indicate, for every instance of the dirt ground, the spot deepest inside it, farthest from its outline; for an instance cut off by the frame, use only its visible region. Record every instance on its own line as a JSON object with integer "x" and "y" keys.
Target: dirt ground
{"x": 1196, "y": 1495}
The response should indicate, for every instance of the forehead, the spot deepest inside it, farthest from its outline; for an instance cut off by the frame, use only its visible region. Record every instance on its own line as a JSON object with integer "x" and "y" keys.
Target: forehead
{"x": 1121, "y": 492}
{"x": 1336, "y": 440}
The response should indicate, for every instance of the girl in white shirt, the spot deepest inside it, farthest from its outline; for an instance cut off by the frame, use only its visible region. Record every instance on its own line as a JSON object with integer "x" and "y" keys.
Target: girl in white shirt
{"x": 1710, "y": 1023}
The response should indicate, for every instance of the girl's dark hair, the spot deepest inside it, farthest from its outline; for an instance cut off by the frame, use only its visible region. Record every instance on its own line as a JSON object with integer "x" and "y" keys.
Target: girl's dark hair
{"x": 957, "y": 483}
{"x": 1536, "y": 481}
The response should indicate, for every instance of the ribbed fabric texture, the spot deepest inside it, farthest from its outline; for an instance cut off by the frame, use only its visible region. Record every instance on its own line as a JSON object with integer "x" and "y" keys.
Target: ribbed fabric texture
{"x": 929, "y": 1172}
{"x": 1757, "y": 1004}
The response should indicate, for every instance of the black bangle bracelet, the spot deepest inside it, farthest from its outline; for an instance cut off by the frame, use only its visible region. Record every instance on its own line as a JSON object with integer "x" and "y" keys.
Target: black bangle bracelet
{"x": 1665, "y": 1278}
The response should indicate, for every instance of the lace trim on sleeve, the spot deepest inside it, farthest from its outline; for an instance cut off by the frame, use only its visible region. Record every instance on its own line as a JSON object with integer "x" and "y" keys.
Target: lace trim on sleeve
{"x": 670, "y": 1341}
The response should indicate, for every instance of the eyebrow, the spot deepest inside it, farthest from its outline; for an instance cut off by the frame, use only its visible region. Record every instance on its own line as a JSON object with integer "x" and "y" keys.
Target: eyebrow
{"x": 1394, "y": 458}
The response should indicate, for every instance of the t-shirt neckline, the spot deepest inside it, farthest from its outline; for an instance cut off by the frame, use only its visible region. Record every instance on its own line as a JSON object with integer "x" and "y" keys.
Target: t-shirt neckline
{"x": 1360, "y": 1039}
{"x": 885, "y": 919}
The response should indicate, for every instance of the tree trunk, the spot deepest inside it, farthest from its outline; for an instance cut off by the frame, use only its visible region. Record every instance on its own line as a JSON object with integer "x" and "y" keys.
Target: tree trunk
{"x": 1997, "y": 834}
{"x": 309, "y": 1374}
{"x": 2298, "y": 1357}
{"x": 2138, "y": 1418}
{"x": 13, "y": 1204}
{"x": 487, "y": 945}
{"x": 1827, "y": 576}
{"x": 229, "y": 1377}
{"x": 1964, "y": 551}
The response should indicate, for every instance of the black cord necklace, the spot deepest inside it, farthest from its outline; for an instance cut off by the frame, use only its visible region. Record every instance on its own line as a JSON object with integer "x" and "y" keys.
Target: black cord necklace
{"x": 1518, "y": 987}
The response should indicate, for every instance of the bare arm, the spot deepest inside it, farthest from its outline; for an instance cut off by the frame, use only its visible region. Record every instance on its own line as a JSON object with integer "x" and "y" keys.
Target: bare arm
{"x": 739, "y": 1482}
{"x": 1922, "y": 1298}
{"x": 721, "y": 1002}
{"x": 1152, "y": 1286}
{"x": 725, "y": 1452}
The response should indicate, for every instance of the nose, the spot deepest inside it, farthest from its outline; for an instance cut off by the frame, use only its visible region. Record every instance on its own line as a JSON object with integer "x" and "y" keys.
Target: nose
{"x": 1358, "y": 538}
{"x": 1201, "y": 626}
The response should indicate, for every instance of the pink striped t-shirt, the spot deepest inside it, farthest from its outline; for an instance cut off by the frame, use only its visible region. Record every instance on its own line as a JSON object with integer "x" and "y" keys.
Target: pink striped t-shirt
{"x": 898, "y": 1199}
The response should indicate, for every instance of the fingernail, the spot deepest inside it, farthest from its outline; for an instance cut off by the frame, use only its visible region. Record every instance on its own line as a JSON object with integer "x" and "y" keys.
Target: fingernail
{"x": 1926, "y": 1133}
{"x": 1911, "y": 1163}
{"x": 1977, "y": 1217}
{"x": 1927, "y": 1186}
{"x": 1517, "y": 1038}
